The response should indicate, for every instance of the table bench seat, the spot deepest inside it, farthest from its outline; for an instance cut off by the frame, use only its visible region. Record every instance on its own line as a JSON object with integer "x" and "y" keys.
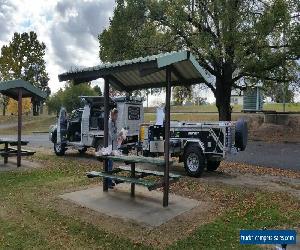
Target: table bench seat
{"x": 13, "y": 143}
{"x": 137, "y": 176}
{"x": 138, "y": 180}
{"x": 148, "y": 172}
{"x": 13, "y": 153}
{"x": 7, "y": 151}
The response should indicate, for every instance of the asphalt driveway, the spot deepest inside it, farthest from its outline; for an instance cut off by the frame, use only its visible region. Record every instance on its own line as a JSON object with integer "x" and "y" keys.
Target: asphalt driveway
{"x": 278, "y": 155}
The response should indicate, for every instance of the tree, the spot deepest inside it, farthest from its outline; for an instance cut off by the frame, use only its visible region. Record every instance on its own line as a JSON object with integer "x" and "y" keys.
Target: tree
{"x": 12, "y": 106}
{"x": 69, "y": 97}
{"x": 181, "y": 94}
{"x": 23, "y": 58}
{"x": 288, "y": 83}
{"x": 234, "y": 40}
{"x": 131, "y": 40}
{"x": 97, "y": 89}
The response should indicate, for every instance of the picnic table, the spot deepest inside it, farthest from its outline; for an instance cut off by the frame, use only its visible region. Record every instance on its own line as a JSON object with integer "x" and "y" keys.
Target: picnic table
{"x": 9, "y": 151}
{"x": 137, "y": 175}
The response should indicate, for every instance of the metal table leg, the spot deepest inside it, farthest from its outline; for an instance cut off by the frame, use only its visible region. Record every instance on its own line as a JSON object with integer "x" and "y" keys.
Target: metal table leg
{"x": 6, "y": 151}
{"x": 132, "y": 176}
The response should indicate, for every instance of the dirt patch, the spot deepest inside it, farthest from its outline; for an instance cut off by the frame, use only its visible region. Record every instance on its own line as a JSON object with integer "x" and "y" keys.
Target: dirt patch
{"x": 268, "y": 132}
{"x": 275, "y": 133}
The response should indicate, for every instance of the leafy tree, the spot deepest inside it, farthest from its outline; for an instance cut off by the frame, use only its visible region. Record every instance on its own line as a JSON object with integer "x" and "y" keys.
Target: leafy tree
{"x": 69, "y": 97}
{"x": 236, "y": 41}
{"x": 98, "y": 90}
{"x": 181, "y": 94}
{"x": 23, "y": 58}
{"x": 12, "y": 106}
{"x": 286, "y": 85}
{"x": 133, "y": 32}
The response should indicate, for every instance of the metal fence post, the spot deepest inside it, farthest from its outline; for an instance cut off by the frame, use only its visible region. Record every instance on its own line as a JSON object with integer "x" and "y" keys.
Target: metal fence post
{"x": 106, "y": 117}
{"x": 167, "y": 137}
{"x": 19, "y": 127}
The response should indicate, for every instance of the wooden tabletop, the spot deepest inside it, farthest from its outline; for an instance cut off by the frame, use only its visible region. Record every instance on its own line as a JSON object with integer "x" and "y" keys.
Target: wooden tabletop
{"x": 135, "y": 159}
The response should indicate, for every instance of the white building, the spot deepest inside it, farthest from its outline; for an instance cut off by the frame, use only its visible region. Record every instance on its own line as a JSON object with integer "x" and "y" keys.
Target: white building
{"x": 236, "y": 97}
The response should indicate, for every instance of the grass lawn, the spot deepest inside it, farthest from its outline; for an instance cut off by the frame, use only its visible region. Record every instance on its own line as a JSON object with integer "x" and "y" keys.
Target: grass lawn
{"x": 37, "y": 124}
{"x": 42, "y": 123}
{"x": 11, "y": 119}
{"x": 290, "y": 107}
{"x": 30, "y": 217}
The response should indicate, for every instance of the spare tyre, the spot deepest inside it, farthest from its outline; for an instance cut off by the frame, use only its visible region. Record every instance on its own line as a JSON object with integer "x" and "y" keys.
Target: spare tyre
{"x": 241, "y": 134}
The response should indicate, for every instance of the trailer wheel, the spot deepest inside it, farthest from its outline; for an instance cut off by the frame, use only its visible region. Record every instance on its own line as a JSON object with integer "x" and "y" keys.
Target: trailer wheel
{"x": 194, "y": 161}
{"x": 82, "y": 151}
{"x": 212, "y": 165}
{"x": 59, "y": 149}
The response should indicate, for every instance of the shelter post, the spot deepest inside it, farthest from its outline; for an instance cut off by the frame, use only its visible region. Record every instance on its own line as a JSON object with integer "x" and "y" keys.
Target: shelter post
{"x": 167, "y": 137}
{"x": 106, "y": 117}
{"x": 19, "y": 126}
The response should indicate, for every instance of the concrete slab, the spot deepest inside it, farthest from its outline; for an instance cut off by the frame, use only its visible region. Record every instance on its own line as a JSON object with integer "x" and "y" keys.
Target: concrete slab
{"x": 145, "y": 208}
{"x": 12, "y": 165}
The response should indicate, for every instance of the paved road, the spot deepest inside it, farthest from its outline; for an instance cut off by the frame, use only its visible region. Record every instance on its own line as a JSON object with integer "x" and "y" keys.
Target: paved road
{"x": 278, "y": 155}
{"x": 35, "y": 140}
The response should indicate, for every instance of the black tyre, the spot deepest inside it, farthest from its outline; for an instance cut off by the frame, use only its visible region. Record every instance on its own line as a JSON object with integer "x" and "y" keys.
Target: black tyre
{"x": 212, "y": 165}
{"x": 194, "y": 160}
{"x": 59, "y": 149}
{"x": 54, "y": 136}
{"x": 82, "y": 151}
{"x": 241, "y": 134}
{"x": 98, "y": 147}
{"x": 146, "y": 153}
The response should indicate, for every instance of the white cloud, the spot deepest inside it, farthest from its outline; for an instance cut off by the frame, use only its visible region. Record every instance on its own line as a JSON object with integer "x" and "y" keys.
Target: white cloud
{"x": 69, "y": 28}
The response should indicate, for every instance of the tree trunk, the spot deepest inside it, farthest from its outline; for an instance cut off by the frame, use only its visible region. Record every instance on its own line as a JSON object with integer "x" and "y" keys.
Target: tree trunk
{"x": 223, "y": 94}
{"x": 4, "y": 110}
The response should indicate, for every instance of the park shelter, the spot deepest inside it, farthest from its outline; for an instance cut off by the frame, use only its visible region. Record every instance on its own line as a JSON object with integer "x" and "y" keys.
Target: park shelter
{"x": 157, "y": 71}
{"x": 18, "y": 89}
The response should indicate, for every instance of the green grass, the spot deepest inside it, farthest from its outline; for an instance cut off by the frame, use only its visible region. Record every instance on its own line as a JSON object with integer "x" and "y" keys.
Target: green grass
{"x": 40, "y": 124}
{"x": 150, "y": 117}
{"x": 9, "y": 119}
{"x": 29, "y": 218}
{"x": 290, "y": 107}
{"x": 261, "y": 212}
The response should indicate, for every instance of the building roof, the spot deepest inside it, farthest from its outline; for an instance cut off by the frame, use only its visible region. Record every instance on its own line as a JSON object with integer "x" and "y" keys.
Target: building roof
{"x": 144, "y": 72}
{"x": 10, "y": 88}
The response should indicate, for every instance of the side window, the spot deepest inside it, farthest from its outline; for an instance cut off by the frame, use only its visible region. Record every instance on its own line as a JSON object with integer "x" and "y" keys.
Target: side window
{"x": 134, "y": 113}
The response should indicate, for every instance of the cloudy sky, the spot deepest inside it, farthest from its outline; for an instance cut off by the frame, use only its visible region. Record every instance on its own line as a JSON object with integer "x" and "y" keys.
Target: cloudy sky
{"x": 69, "y": 28}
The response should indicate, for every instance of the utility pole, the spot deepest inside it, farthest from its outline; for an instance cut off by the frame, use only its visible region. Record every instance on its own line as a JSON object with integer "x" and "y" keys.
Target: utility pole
{"x": 284, "y": 74}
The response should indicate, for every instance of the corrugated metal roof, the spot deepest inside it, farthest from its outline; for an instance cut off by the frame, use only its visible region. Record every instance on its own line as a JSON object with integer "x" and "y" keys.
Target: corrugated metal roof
{"x": 10, "y": 88}
{"x": 144, "y": 72}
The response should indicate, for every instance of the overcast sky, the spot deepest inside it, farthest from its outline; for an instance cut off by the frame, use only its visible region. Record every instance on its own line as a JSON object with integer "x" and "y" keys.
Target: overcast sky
{"x": 69, "y": 28}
